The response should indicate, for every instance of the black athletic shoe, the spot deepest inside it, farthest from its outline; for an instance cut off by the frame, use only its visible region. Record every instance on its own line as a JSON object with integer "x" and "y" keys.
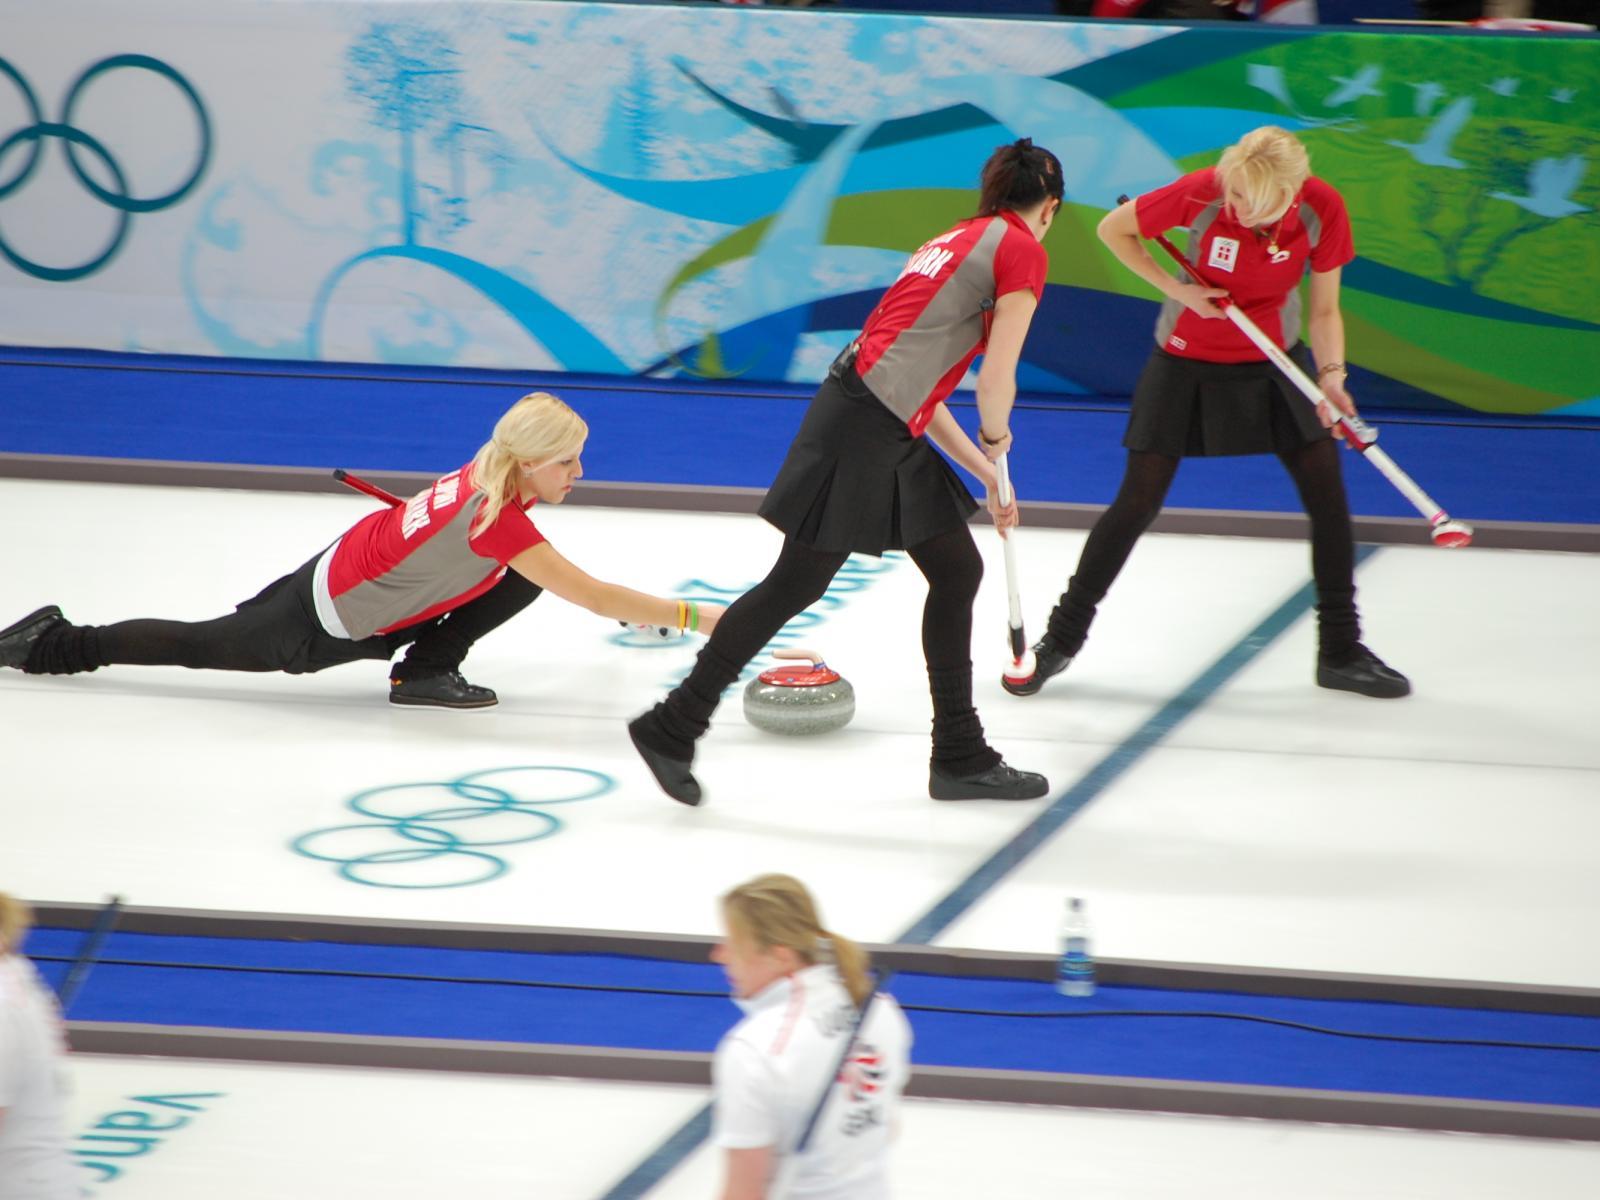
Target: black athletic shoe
{"x": 672, "y": 774}
{"x": 1365, "y": 674}
{"x": 1047, "y": 662}
{"x": 16, "y": 641}
{"x": 999, "y": 782}
{"x": 447, "y": 690}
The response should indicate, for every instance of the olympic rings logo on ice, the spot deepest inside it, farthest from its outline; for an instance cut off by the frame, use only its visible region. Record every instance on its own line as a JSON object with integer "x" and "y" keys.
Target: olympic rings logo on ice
{"x": 491, "y": 815}
{"x": 117, "y": 196}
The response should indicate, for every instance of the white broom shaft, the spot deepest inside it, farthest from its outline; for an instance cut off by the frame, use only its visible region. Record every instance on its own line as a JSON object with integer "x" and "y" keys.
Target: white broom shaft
{"x": 1408, "y": 487}
{"x": 1273, "y": 351}
{"x": 1390, "y": 470}
{"x": 1013, "y": 599}
{"x": 1002, "y": 469}
{"x": 1364, "y": 433}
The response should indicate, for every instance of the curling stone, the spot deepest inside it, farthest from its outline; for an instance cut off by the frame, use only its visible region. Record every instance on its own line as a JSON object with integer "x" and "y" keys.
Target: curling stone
{"x": 805, "y": 698}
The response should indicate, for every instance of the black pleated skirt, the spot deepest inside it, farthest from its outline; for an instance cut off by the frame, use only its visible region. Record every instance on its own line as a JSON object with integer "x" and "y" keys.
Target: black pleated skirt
{"x": 1190, "y": 409}
{"x": 857, "y": 481}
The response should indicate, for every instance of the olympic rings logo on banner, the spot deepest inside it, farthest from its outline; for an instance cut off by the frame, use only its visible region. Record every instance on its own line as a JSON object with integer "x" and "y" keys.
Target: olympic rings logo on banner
{"x": 72, "y": 139}
{"x": 504, "y": 820}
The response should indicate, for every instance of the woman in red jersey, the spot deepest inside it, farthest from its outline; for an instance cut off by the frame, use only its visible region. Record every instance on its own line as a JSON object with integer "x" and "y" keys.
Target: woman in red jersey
{"x": 1257, "y": 221}
{"x": 861, "y": 477}
{"x": 433, "y": 575}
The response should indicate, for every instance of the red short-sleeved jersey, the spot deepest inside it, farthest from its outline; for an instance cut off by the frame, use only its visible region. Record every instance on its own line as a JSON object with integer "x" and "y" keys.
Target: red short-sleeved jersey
{"x": 414, "y": 562}
{"x": 1314, "y": 230}
{"x": 929, "y": 326}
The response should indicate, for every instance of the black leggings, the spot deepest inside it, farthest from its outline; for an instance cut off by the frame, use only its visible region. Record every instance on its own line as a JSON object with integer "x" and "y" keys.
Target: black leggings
{"x": 442, "y": 644}
{"x": 278, "y": 630}
{"x": 1314, "y": 467}
{"x": 953, "y": 568}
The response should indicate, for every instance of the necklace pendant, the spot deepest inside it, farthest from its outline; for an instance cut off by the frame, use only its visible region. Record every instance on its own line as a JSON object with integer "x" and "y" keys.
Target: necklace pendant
{"x": 1272, "y": 248}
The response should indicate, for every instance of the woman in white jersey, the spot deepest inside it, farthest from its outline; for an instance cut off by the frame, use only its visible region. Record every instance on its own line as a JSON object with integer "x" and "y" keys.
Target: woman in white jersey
{"x": 432, "y": 576}
{"x": 34, "y": 1164}
{"x": 801, "y": 988}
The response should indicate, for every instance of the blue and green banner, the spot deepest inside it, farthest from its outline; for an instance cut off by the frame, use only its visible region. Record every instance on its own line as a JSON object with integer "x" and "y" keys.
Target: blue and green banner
{"x": 723, "y": 193}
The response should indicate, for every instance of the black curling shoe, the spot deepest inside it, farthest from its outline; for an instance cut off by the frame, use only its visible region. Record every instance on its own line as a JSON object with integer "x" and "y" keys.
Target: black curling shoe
{"x": 447, "y": 690}
{"x": 16, "y": 641}
{"x": 1047, "y": 662}
{"x": 672, "y": 774}
{"x": 999, "y": 782}
{"x": 1365, "y": 674}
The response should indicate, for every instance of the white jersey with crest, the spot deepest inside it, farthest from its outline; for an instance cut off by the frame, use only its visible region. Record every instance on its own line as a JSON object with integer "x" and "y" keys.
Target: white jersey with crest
{"x": 34, "y": 1163}
{"x": 770, "y": 1069}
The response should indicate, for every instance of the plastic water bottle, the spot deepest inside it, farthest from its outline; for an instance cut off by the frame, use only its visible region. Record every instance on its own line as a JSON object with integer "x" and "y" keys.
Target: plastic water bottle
{"x": 1075, "y": 971}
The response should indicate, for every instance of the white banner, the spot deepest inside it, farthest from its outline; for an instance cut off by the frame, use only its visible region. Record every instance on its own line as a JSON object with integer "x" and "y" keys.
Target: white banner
{"x": 533, "y": 185}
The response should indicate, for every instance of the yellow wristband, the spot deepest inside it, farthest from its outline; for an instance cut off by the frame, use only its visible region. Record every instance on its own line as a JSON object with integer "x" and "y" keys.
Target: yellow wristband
{"x": 683, "y": 615}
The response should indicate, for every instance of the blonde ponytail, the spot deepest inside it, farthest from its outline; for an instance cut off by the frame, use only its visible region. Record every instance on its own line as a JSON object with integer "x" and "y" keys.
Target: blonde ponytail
{"x": 777, "y": 910}
{"x": 537, "y": 429}
{"x": 852, "y": 961}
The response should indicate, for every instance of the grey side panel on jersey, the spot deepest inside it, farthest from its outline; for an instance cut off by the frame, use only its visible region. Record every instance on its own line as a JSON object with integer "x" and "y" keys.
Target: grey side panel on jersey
{"x": 442, "y": 567}
{"x": 1171, "y": 310}
{"x": 1289, "y": 317}
{"x": 1291, "y": 305}
{"x": 942, "y": 333}
{"x": 1313, "y": 224}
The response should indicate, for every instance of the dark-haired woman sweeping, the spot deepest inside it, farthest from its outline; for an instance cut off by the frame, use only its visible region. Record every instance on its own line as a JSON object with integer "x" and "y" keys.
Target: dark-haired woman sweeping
{"x": 861, "y": 477}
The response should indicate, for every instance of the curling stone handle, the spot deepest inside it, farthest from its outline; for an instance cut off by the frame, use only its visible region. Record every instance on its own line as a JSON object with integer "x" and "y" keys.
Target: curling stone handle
{"x": 811, "y": 656}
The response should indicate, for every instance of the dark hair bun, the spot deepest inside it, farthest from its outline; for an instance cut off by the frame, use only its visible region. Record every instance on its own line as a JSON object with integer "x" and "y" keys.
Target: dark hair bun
{"x": 1019, "y": 176}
